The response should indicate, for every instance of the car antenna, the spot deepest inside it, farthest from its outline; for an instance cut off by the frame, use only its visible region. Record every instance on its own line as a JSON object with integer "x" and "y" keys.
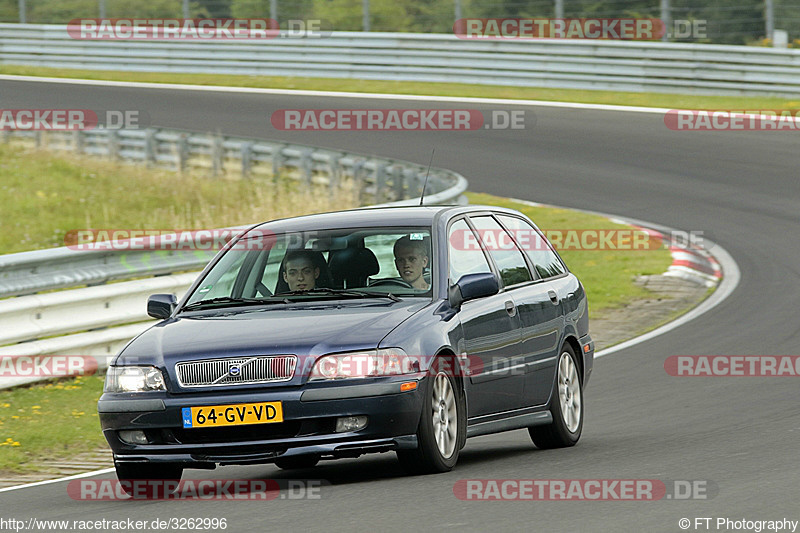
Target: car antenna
{"x": 422, "y": 196}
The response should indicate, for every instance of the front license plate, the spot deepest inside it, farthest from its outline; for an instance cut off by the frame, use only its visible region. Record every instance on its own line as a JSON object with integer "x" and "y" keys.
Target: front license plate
{"x": 232, "y": 415}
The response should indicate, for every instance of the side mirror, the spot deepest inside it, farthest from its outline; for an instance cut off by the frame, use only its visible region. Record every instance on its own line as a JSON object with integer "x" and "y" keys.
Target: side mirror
{"x": 161, "y": 305}
{"x": 472, "y": 286}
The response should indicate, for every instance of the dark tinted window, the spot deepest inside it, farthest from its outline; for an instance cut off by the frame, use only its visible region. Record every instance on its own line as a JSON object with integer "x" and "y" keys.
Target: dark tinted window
{"x": 466, "y": 256}
{"x": 534, "y": 244}
{"x": 505, "y": 253}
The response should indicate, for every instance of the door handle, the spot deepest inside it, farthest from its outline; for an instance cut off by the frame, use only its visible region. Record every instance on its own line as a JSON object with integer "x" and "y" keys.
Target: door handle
{"x": 553, "y": 296}
{"x": 511, "y": 309}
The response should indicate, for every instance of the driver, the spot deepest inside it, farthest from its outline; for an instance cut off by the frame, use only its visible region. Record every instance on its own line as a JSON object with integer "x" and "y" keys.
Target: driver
{"x": 411, "y": 258}
{"x": 299, "y": 271}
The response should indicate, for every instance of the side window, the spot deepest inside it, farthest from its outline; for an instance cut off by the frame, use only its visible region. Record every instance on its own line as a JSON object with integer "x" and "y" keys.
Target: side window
{"x": 534, "y": 244}
{"x": 466, "y": 256}
{"x": 505, "y": 253}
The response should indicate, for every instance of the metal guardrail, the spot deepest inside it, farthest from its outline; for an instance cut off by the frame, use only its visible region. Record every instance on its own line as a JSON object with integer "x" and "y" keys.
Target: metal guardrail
{"x": 572, "y": 64}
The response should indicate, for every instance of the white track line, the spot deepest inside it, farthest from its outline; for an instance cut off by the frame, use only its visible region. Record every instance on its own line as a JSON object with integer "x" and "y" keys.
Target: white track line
{"x": 335, "y": 94}
{"x": 50, "y": 481}
{"x": 727, "y": 285}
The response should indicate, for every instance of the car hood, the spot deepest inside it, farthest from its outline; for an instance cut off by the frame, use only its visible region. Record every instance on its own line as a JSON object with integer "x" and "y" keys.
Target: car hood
{"x": 302, "y": 329}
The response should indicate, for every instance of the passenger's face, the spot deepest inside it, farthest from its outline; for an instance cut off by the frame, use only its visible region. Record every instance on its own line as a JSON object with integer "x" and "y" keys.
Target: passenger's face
{"x": 410, "y": 264}
{"x": 300, "y": 275}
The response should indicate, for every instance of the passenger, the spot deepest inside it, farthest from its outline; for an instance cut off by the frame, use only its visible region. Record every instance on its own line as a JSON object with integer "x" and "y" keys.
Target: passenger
{"x": 411, "y": 258}
{"x": 299, "y": 271}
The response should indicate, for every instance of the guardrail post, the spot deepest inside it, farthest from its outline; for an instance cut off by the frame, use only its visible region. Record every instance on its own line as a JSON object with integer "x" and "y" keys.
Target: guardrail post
{"x": 399, "y": 180}
{"x": 5, "y": 136}
{"x": 150, "y": 148}
{"x": 307, "y": 166}
{"x": 769, "y": 20}
{"x": 358, "y": 178}
{"x": 183, "y": 151}
{"x": 559, "y": 9}
{"x": 334, "y": 174}
{"x": 113, "y": 144}
{"x": 277, "y": 161}
{"x": 380, "y": 181}
{"x": 37, "y": 137}
{"x": 247, "y": 159}
{"x": 77, "y": 141}
{"x": 217, "y": 153}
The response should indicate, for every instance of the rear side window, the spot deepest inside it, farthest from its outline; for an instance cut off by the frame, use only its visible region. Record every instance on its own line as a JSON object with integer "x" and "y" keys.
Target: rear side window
{"x": 466, "y": 256}
{"x": 505, "y": 253}
{"x": 535, "y": 246}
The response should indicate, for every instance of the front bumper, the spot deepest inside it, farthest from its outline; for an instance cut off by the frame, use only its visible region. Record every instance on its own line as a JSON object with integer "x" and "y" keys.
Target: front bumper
{"x": 308, "y": 428}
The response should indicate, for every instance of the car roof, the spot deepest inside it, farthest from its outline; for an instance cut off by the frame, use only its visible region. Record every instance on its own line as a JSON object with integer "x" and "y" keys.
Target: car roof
{"x": 376, "y": 216}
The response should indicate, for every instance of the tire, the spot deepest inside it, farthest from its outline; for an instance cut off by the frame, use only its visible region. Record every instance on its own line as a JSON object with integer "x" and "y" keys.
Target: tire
{"x": 130, "y": 473}
{"x": 297, "y": 462}
{"x": 441, "y": 429}
{"x": 566, "y": 406}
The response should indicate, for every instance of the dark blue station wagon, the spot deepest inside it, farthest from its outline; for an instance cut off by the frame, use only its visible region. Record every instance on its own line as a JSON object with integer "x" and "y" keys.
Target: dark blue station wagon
{"x": 405, "y": 329}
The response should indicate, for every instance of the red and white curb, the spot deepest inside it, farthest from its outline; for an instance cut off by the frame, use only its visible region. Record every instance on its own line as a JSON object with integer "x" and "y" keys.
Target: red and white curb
{"x": 689, "y": 261}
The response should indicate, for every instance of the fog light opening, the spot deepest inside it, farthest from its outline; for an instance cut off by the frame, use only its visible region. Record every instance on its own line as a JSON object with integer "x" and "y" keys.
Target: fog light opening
{"x": 350, "y": 423}
{"x": 133, "y": 437}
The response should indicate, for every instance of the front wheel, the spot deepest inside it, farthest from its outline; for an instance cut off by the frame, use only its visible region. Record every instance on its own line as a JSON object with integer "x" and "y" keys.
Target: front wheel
{"x": 566, "y": 406}
{"x": 440, "y": 431}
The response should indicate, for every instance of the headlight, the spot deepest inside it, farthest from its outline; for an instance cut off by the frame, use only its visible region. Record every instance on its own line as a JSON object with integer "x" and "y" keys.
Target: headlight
{"x": 134, "y": 379}
{"x": 366, "y": 364}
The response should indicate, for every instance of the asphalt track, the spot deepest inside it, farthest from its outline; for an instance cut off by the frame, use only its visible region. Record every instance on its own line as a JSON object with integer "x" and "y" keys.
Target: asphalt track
{"x": 739, "y": 434}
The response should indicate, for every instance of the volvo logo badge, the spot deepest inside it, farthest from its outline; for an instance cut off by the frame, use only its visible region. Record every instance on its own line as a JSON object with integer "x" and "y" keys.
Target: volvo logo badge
{"x": 235, "y": 370}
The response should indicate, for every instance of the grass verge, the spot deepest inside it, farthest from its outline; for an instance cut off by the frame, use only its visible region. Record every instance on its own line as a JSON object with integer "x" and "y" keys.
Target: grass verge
{"x": 671, "y": 101}
{"x": 48, "y": 421}
{"x": 43, "y": 195}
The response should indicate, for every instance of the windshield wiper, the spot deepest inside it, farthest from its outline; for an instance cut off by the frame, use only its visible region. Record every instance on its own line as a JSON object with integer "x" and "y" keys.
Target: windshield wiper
{"x": 229, "y": 301}
{"x": 343, "y": 292}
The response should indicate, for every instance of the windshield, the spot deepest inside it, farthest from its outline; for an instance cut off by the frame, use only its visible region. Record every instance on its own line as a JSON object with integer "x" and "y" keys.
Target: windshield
{"x": 324, "y": 264}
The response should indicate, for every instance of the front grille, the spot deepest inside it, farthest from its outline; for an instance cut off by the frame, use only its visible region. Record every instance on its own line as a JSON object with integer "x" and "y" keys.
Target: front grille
{"x": 236, "y": 371}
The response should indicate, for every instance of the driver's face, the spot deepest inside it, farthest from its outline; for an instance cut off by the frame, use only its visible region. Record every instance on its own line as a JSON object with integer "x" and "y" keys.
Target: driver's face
{"x": 300, "y": 275}
{"x": 410, "y": 264}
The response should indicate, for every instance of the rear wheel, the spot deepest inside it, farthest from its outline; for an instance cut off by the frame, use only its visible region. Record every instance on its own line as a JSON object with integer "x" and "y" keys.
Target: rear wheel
{"x": 566, "y": 406}
{"x": 441, "y": 430}
{"x": 297, "y": 462}
{"x": 135, "y": 477}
